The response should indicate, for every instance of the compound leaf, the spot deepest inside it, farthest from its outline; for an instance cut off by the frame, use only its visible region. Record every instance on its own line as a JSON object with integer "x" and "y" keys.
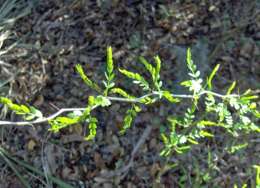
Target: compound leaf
{"x": 213, "y": 73}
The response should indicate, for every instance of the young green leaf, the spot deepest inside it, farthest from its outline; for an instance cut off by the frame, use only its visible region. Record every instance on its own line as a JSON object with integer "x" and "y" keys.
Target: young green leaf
{"x": 247, "y": 99}
{"x": 6, "y": 101}
{"x": 109, "y": 73}
{"x": 137, "y": 108}
{"x": 231, "y": 88}
{"x": 164, "y": 139}
{"x": 18, "y": 109}
{"x": 203, "y": 123}
{"x": 158, "y": 67}
{"x": 147, "y": 100}
{"x": 205, "y": 134}
{"x": 192, "y": 141}
{"x": 130, "y": 115}
{"x": 209, "y": 80}
{"x": 34, "y": 113}
{"x": 188, "y": 58}
{"x": 186, "y": 83}
{"x": 86, "y": 114}
{"x": 169, "y": 97}
{"x": 110, "y": 66}
{"x": 122, "y": 93}
{"x": 102, "y": 101}
{"x": 157, "y": 81}
{"x": 256, "y": 113}
{"x": 149, "y": 67}
{"x": 62, "y": 122}
{"x": 87, "y": 81}
{"x": 138, "y": 79}
{"x": 128, "y": 120}
{"x": 92, "y": 129}
{"x": 238, "y": 147}
{"x": 181, "y": 149}
{"x": 257, "y": 177}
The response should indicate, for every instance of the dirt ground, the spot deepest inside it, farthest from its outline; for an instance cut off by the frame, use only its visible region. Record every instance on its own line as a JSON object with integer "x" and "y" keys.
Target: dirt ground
{"x": 58, "y": 34}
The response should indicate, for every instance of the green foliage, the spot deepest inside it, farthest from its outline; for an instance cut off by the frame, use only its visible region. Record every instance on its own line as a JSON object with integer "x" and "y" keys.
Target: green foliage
{"x": 237, "y": 114}
{"x": 28, "y": 113}
{"x": 195, "y": 83}
{"x": 109, "y": 73}
{"x": 154, "y": 71}
{"x": 232, "y": 112}
{"x": 122, "y": 93}
{"x": 110, "y": 66}
{"x": 148, "y": 66}
{"x": 77, "y": 117}
{"x": 174, "y": 142}
{"x": 231, "y": 88}
{"x": 167, "y": 95}
{"x": 92, "y": 129}
{"x": 257, "y": 179}
{"x": 237, "y": 147}
{"x": 130, "y": 115}
{"x": 138, "y": 79}
{"x": 61, "y": 122}
{"x": 18, "y": 109}
{"x": 85, "y": 78}
{"x": 209, "y": 80}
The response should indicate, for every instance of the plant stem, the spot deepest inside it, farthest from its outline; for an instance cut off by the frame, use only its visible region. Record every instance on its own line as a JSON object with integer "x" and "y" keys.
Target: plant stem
{"x": 117, "y": 99}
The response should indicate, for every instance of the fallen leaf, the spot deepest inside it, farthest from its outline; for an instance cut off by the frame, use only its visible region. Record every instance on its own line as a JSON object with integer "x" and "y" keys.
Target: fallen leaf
{"x": 98, "y": 160}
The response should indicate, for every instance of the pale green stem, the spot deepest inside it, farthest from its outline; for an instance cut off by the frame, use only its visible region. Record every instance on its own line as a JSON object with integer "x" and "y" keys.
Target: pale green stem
{"x": 117, "y": 99}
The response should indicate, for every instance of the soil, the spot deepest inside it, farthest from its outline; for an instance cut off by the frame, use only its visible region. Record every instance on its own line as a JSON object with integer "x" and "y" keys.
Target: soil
{"x": 58, "y": 34}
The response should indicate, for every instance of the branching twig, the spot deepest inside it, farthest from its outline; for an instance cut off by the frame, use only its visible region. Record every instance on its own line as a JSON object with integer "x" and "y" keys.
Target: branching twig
{"x": 117, "y": 99}
{"x": 42, "y": 120}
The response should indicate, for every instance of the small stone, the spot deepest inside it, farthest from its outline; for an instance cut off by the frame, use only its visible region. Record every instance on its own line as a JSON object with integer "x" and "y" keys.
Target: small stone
{"x": 31, "y": 145}
{"x": 212, "y": 8}
{"x": 154, "y": 169}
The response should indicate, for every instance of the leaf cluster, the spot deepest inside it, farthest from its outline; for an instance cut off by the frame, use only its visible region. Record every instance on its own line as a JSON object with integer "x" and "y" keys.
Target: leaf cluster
{"x": 237, "y": 114}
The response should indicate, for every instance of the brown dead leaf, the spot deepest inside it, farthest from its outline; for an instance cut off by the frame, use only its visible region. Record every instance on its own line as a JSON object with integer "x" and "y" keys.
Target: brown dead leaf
{"x": 154, "y": 169}
{"x": 98, "y": 160}
{"x": 77, "y": 129}
{"x": 65, "y": 139}
{"x": 39, "y": 100}
{"x": 71, "y": 174}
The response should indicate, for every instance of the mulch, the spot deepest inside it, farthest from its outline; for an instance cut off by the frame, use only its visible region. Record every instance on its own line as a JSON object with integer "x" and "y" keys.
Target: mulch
{"x": 58, "y": 34}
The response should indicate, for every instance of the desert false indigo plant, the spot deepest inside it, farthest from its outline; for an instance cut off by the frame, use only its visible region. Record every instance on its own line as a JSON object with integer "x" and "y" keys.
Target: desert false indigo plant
{"x": 233, "y": 112}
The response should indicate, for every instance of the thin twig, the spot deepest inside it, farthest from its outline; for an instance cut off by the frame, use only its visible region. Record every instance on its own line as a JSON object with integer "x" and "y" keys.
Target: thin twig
{"x": 118, "y": 99}
{"x": 42, "y": 120}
